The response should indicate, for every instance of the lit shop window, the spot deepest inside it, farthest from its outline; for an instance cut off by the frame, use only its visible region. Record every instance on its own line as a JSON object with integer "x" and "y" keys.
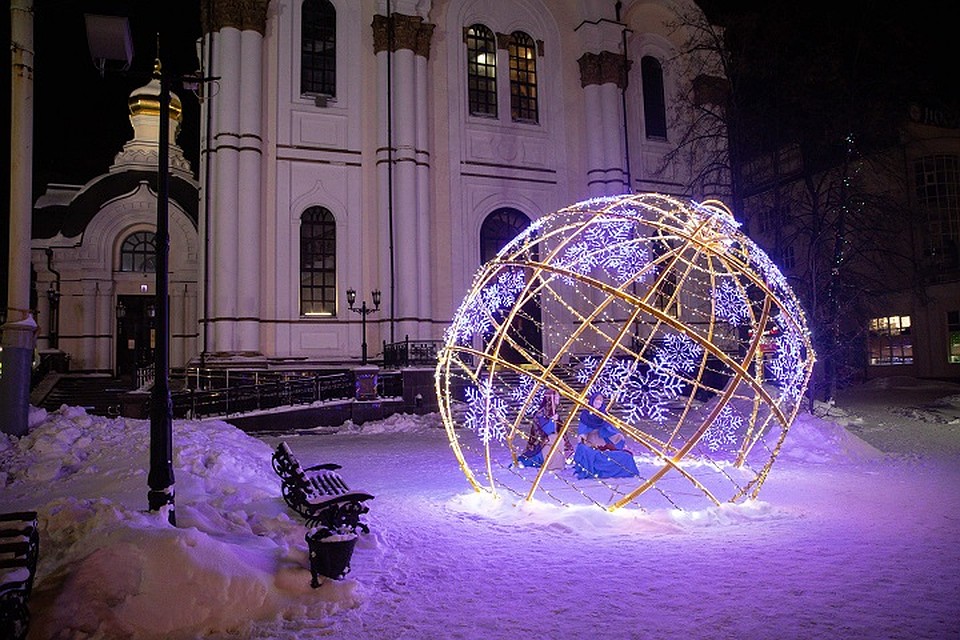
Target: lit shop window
{"x": 953, "y": 337}
{"x": 890, "y": 341}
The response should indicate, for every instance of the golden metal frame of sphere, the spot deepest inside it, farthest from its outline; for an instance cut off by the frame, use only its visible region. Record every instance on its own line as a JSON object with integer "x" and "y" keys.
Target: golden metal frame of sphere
{"x": 664, "y": 305}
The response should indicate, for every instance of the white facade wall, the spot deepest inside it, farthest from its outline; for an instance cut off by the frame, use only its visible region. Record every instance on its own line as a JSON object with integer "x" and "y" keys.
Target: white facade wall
{"x": 269, "y": 153}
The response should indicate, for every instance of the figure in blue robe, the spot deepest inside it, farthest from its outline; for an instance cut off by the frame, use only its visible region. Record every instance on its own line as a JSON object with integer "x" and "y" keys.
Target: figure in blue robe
{"x": 601, "y": 452}
{"x": 543, "y": 433}
{"x": 540, "y": 433}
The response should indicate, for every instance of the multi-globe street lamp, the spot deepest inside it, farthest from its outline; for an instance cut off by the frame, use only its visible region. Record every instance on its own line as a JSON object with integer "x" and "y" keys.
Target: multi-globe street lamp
{"x": 364, "y": 311}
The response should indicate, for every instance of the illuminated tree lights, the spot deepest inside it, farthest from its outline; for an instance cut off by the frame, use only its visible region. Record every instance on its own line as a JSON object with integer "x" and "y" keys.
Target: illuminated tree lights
{"x": 687, "y": 328}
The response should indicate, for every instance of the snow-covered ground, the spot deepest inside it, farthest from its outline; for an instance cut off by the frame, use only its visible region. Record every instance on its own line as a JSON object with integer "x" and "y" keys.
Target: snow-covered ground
{"x": 856, "y": 535}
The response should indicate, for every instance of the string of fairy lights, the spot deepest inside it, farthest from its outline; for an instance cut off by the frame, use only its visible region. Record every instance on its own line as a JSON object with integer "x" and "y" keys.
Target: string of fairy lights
{"x": 664, "y": 306}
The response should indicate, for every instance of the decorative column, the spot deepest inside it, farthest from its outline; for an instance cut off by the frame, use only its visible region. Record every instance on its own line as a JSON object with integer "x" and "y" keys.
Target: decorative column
{"x": 424, "y": 284}
{"x": 106, "y": 315}
{"x": 250, "y": 202}
{"x": 176, "y": 326}
{"x": 233, "y": 33}
{"x": 603, "y": 77}
{"x": 402, "y": 46}
{"x": 19, "y": 331}
{"x": 88, "y": 303}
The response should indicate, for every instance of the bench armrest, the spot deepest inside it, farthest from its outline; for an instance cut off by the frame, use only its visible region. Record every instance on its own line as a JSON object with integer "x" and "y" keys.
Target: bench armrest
{"x": 21, "y": 516}
{"x": 330, "y": 466}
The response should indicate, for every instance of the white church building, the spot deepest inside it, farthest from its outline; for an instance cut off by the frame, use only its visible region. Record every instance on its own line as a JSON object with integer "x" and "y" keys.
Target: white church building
{"x": 362, "y": 145}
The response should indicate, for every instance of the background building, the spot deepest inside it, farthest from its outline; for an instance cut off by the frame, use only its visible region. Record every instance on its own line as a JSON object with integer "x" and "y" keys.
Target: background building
{"x": 94, "y": 251}
{"x": 366, "y": 146}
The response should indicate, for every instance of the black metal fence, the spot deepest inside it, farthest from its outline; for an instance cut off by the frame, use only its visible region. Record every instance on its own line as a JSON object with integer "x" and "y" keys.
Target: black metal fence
{"x": 411, "y": 353}
{"x": 219, "y": 392}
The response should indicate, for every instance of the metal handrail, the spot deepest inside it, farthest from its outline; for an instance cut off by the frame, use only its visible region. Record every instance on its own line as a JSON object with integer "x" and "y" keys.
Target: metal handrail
{"x": 247, "y": 391}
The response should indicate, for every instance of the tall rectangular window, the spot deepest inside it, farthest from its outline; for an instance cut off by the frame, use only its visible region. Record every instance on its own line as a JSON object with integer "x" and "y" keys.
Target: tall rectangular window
{"x": 523, "y": 78}
{"x": 654, "y": 100}
{"x": 938, "y": 193}
{"x": 481, "y": 71}
{"x": 318, "y": 263}
{"x": 890, "y": 341}
{"x": 318, "y": 48}
{"x": 788, "y": 258}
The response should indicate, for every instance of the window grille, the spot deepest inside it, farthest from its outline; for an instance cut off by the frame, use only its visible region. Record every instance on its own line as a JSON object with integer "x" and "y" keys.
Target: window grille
{"x": 890, "y": 341}
{"x": 523, "y": 78}
{"x": 318, "y": 263}
{"x": 138, "y": 252}
{"x": 481, "y": 71}
{"x": 318, "y": 48}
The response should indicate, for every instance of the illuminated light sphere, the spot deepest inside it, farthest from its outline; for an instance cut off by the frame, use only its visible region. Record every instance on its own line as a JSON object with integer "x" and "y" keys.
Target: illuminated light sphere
{"x": 664, "y": 306}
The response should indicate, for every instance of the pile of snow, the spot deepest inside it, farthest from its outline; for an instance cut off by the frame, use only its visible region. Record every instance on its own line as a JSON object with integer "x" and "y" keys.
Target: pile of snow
{"x": 110, "y": 569}
{"x": 816, "y": 440}
{"x": 398, "y": 422}
{"x": 236, "y": 563}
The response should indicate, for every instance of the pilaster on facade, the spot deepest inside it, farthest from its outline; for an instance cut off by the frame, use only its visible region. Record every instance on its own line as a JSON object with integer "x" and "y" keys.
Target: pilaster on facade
{"x": 242, "y": 15}
{"x": 402, "y": 46}
{"x": 409, "y": 32}
{"x": 603, "y": 68}
{"x": 603, "y": 77}
{"x": 234, "y": 31}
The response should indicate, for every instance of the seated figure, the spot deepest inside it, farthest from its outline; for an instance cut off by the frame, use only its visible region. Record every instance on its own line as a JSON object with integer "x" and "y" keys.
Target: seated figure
{"x": 543, "y": 433}
{"x": 601, "y": 452}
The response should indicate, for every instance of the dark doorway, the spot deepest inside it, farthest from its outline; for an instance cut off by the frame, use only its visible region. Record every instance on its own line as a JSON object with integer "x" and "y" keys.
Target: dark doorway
{"x": 136, "y": 335}
{"x": 498, "y": 229}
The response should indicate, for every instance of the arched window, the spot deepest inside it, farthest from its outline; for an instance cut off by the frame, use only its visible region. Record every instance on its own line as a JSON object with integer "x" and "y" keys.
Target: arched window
{"x": 654, "y": 104}
{"x": 523, "y": 77}
{"x": 318, "y": 263}
{"x": 318, "y": 48}
{"x": 138, "y": 252}
{"x": 481, "y": 71}
{"x": 499, "y": 228}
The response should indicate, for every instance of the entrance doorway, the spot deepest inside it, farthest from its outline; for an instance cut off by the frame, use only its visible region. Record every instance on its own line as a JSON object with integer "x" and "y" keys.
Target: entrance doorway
{"x": 136, "y": 335}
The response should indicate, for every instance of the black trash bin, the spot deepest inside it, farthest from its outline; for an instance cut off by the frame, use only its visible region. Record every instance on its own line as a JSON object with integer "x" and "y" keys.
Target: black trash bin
{"x": 329, "y": 555}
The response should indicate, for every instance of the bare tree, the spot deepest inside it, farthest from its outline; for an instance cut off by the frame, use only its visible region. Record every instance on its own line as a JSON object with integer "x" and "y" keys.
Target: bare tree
{"x": 811, "y": 103}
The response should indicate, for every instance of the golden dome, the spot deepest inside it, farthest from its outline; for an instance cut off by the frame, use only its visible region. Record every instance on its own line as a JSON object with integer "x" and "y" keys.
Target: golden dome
{"x": 146, "y": 99}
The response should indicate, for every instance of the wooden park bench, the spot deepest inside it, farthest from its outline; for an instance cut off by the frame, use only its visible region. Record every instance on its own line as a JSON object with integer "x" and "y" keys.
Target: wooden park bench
{"x": 19, "y": 550}
{"x": 319, "y": 494}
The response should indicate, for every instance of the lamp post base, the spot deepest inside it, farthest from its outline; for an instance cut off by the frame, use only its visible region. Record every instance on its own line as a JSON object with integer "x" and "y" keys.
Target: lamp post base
{"x": 163, "y": 500}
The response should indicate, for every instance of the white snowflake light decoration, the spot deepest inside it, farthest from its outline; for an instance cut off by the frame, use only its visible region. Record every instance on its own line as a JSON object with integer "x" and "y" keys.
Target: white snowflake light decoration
{"x": 486, "y": 413}
{"x": 688, "y": 330}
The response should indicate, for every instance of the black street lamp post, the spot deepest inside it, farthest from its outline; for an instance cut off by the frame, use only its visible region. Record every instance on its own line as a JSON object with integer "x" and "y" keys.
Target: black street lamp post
{"x": 160, "y": 478}
{"x": 364, "y": 311}
{"x": 109, "y": 39}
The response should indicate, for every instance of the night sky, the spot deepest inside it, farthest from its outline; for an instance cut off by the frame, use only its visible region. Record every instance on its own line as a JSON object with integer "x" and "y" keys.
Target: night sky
{"x": 81, "y": 122}
{"x": 80, "y": 119}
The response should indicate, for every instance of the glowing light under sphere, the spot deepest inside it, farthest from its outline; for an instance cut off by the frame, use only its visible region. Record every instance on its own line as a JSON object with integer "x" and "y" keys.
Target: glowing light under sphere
{"x": 661, "y": 304}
